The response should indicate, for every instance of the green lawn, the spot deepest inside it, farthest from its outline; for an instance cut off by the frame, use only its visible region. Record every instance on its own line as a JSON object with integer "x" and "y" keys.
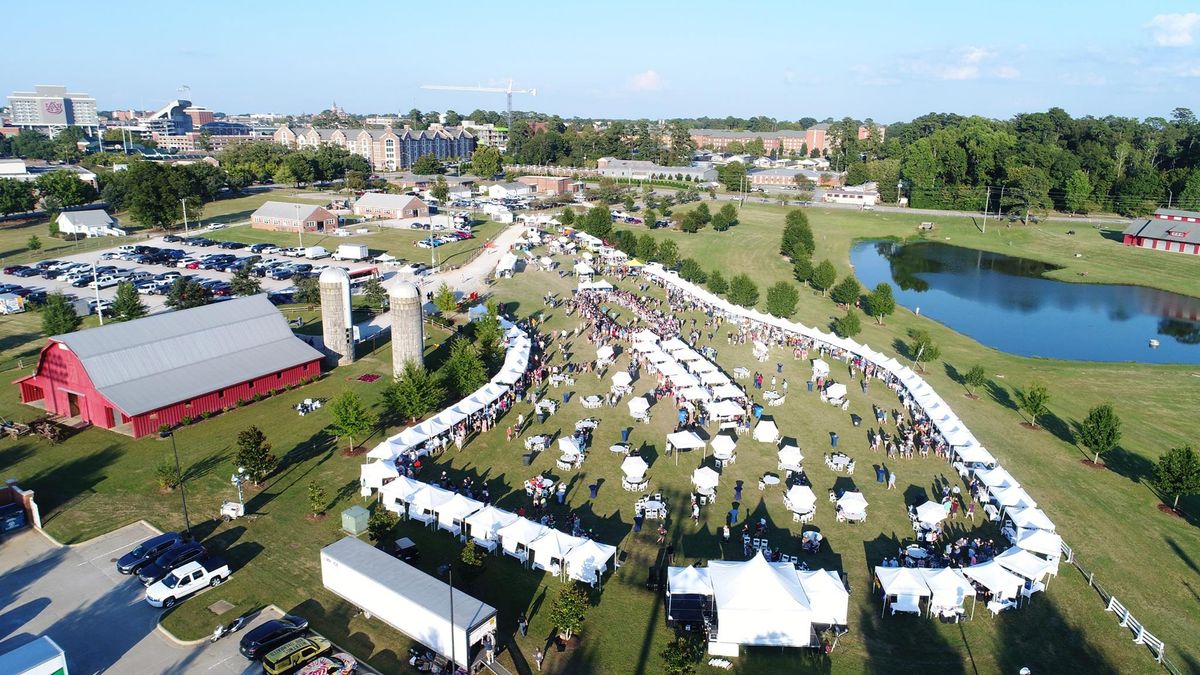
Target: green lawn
{"x": 98, "y": 480}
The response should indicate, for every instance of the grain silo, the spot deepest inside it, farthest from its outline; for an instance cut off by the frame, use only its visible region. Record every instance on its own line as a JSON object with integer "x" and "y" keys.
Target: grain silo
{"x": 408, "y": 331}
{"x": 336, "y": 326}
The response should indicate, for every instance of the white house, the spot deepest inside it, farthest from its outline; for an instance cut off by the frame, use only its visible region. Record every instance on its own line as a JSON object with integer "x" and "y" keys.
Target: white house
{"x": 509, "y": 190}
{"x": 89, "y": 223}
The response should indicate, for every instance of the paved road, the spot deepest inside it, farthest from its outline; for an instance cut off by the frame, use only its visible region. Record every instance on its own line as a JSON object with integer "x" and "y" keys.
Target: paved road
{"x": 99, "y": 617}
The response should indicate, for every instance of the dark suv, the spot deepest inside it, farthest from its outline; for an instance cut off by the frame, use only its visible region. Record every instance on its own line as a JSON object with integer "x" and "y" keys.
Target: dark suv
{"x": 147, "y": 551}
{"x": 272, "y": 634}
{"x": 173, "y": 557}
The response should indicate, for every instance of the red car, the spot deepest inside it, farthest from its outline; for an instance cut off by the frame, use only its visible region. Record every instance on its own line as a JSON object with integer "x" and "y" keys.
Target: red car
{"x": 194, "y": 265}
{"x": 13, "y": 269}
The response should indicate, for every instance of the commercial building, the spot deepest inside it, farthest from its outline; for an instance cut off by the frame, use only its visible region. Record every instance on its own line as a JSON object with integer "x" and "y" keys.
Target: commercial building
{"x": 291, "y": 217}
{"x": 636, "y": 169}
{"x": 385, "y": 149}
{"x": 509, "y": 190}
{"x": 18, "y": 169}
{"x": 1167, "y": 230}
{"x": 51, "y": 108}
{"x": 199, "y": 115}
{"x": 787, "y": 177}
{"x": 137, "y": 376}
{"x": 552, "y": 185}
{"x": 381, "y": 205}
{"x": 170, "y": 120}
{"x": 857, "y": 196}
{"x": 88, "y": 223}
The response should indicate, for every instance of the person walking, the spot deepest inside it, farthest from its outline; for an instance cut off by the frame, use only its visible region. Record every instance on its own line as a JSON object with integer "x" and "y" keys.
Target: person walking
{"x": 489, "y": 648}
{"x": 537, "y": 658}
{"x": 891, "y": 480}
{"x": 696, "y": 513}
{"x": 523, "y": 624}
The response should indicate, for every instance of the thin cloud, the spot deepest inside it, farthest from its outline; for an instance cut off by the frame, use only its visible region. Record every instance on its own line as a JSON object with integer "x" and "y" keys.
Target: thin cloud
{"x": 1174, "y": 30}
{"x": 1006, "y": 73}
{"x": 645, "y": 81}
{"x": 969, "y": 63}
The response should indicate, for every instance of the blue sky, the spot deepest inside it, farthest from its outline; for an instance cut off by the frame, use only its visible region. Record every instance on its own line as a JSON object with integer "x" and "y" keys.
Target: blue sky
{"x": 884, "y": 60}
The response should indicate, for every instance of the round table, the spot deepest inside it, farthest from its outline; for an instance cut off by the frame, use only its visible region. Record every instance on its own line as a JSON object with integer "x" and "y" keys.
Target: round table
{"x": 770, "y": 480}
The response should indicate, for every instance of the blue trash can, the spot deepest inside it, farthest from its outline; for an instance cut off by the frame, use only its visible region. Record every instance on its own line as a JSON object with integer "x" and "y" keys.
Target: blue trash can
{"x": 625, "y": 434}
{"x": 833, "y": 439}
{"x": 592, "y": 489}
{"x": 810, "y": 385}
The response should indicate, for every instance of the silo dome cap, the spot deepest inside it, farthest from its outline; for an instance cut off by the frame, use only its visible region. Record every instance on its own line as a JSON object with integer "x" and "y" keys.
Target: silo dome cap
{"x": 333, "y": 274}
{"x": 404, "y": 291}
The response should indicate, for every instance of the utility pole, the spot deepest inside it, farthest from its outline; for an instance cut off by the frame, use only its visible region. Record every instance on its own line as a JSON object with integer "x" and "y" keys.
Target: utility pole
{"x": 185, "y": 223}
{"x": 986, "y": 203}
{"x": 96, "y": 285}
{"x": 299, "y": 226}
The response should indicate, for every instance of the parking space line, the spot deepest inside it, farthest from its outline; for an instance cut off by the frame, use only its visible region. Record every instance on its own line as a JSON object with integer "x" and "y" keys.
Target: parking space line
{"x": 95, "y": 557}
{"x": 220, "y": 663}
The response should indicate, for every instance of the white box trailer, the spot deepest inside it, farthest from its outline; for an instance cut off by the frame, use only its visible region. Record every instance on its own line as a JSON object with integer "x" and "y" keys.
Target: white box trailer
{"x": 407, "y": 599}
{"x": 351, "y": 252}
{"x": 43, "y": 656}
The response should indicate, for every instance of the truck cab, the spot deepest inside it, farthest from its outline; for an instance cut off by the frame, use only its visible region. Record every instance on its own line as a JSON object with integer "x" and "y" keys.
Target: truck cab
{"x": 183, "y": 581}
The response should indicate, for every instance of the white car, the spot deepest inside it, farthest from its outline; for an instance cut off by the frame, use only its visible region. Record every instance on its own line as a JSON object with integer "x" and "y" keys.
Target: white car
{"x": 105, "y": 281}
{"x": 185, "y": 580}
{"x": 294, "y": 252}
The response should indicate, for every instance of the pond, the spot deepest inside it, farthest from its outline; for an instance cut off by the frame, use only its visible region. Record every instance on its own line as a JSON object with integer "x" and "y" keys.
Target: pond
{"x": 1007, "y": 303}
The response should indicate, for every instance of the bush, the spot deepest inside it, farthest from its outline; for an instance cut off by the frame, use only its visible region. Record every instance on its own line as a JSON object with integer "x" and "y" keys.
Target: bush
{"x": 164, "y": 428}
{"x": 847, "y": 326}
{"x": 471, "y": 556}
{"x": 567, "y": 614}
{"x": 186, "y": 420}
{"x": 381, "y": 526}
{"x": 166, "y": 475}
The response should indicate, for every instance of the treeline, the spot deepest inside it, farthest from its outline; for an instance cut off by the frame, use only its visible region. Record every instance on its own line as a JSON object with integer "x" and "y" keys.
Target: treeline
{"x": 580, "y": 144}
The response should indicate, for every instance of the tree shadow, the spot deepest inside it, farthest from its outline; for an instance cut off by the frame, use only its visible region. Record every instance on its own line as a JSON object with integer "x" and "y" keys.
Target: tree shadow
{"x": 15, "y": 454}
{"x": 204, "y": 466}
{"x": 1039, "y": 637}
{"x": 1129, "y": 464}
{"x": 58, "y": 485}
{"x": 1058, "y": 427}
{"x": 1000, "y": 394}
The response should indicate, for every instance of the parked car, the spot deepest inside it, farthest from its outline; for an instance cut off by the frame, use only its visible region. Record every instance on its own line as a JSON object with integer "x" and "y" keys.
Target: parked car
{"x": 287, "y": 657}
{"x": 281, "y": 273}
{"x": 13, "y": 269}
{"x": 183, "y": 581}
{"x": 27, "y": 272}
{"x": 271, "y": 634}
{"x": 172, "y": 238}
{"x": 145, "y": 553}
{"x": 340, "y": 663}
{"x": 173, "y": 557}
{"x": 231, "y": 245}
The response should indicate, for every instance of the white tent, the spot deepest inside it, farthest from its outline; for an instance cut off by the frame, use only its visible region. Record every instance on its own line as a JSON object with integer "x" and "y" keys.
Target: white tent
{"x": 819, "y": 368}
{"x": 701, "y": 366}
{"x": 671, "y": 369}
{"x": 638, "y": 406}
{"x": 931, "y": 513}
{"x": 604, "y": 353}
{"x": 694, "y": 394}
{"x": 948, "y": 585}
{"x": 684, "y": 380}
{"x": 685, "y": 440}
{"x": 906, "y": 585}
{"x": 790, "y": 457}
{"x": 705, "y": 479}
{"x": 568, "y": 447}
{"x": 1031, "y": 518}
{"x": 991, "y": 575}
{"x": 800, "y": 499}
{"x": 996, "y": 478}
{"x": 724, "y": 409}
{"x": 835, "y": 391}
{"x": 723, "y": 443}
{"x": 398, "y": 492}
{"x": 760, "y": 603}
{"x": 1012, "y": 497}
{"x": 519, "y": 534}
{"x": 550, "y": 548}
{"x": 974, "y": 454}
{"x": 853, "y": 504}
{"x": 1040, "y": 541}
{"x": 659, "y": 357}
{"x": 425, "y": 502}
{"x": 622, "y": 378}
{"x": 645, "y": 335}
{"x": 827, "y": 596}
{"x": 766, "y": 431}
{"x": 690, "y": 580}
{"x": 457, "y": 508}
{"x": 372, "y": 475}
{"x": 1019, "y": 561}
{"x": 647, "y": 348}
{"x": 723, "y": 391}
{"x": 713, "y": 378}
{"x": 674, "y": 345}
{"x": 687, "y": 354}
{"x": 588, "y": 561}
{"x": 485, "y": 522}
{"x": 634, "y": 469}
{"x": 584, "y": 270}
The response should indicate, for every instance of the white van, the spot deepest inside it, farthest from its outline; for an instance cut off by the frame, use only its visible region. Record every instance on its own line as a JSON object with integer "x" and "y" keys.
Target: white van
{"x": 316, "y": 253}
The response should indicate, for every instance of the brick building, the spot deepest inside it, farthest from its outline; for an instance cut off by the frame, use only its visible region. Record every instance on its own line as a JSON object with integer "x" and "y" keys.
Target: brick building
{"x": 386, "y": 149}
{"x": 288, "y": 216}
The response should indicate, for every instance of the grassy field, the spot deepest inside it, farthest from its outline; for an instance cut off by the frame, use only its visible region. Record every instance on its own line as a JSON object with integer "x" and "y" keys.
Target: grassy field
{"x": 98, "y": 480}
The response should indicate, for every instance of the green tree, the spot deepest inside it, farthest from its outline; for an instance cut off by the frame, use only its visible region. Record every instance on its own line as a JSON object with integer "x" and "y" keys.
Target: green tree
{"x": 682, "y": 654}
{"x": 823, "y": 276}
{"x": 647, "y": 248}
{"x": 703, "y": 214}
{"x": 649, "y": 217}
{"x": 486, "y": 162}
{"x": 1100, "y": 431}
{"x": 846, "y": 292}
{"x": 127, "y": 304}
{"x": 922, "y": 348}
{"x": 381, "y": 526}
{"x": 797, "y": 235}
{"x": 1177, "y": 474}
{"x": 444, "y": 299}
{"x": 857, "y": 174}
{"x": 427, "y": 165}
{"x": 440, "y": 190}
{"x": 63, "y": 189}
{"x": 717, "y": 283}
{"x": 34, "y": 243}
{"x": 692, "y": 222}
{"x": 414, "y": 394}
{"x": 668, "y": 253}
{"x": 374, "y": 293}
{"x": 628, "y": 203}
{"x": 802, "y": 268}
{"x": 488, "y": 336}
{"x": 848, "y": 325}
{"x": 690, "y": 270}
{"x": 186, "y": 293}
{"x": 464, "y": 369}
{"x": 1078, "y": 192}
{"x": 597, "y": 222}
{"x": 308, "y": 291}
{"x": 567, "y": 217}
{"x": 58, "y": 315}
{"x": 569, "y": 609}
{"x": 975, "y": 378}
{"x": 725, "y": 218}
{"x": 245, "y": 283}
{"x": 733, "y": 176}
{"x": 1032, "y": 401}
{"x": 781, "y": 299}
{"x": 16, "y": 196}
{"x": 350, "y": 417}
{"x": 254, "y": 454}
{"x": 1189, "y": 197}
{"x": 318, "y": 498}
{"x": 880, "y": 303}
{"x": 743, "y": 291}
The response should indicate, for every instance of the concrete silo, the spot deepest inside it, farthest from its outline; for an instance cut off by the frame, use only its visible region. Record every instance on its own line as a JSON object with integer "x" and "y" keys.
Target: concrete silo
{"x": 336, "y": 326}
{"x": 408, "y": 330}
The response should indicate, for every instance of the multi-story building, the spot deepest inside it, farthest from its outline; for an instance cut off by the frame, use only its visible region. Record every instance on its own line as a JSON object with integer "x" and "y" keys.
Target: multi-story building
{"x": 816, "y": 137}
{"x": 785, "y": 177}
{"x": 200, "y": 115}
{"x": 643, "y": 170}
{"x": 51, "y": 108}
{"x": 385, "y": 149}
{"x": 553, "y": 185}
{"x": 488, "y": 134}
{"x": 195, "y": 141}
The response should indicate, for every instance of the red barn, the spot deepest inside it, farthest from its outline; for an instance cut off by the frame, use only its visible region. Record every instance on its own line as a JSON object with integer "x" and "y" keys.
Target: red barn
{"x": 1166, "y": 230}
{"x": 136, "y": 376}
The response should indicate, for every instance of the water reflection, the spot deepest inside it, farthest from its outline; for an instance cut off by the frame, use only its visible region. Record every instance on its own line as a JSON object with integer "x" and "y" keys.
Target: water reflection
{"x": 1007, "y": 303}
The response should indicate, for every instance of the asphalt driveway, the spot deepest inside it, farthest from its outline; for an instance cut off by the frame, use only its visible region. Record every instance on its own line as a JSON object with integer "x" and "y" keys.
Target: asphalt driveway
{"x": 99, "y": 617}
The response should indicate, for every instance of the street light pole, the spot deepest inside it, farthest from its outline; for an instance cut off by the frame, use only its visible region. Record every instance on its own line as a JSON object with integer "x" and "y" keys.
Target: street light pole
{"x": 187, "y": 524}
{"x": 299, "y": 226}
{"x": 183, "y": 201}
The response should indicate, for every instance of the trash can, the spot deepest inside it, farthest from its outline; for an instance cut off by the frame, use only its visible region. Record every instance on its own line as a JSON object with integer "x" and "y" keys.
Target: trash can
{"x": 856, "y": 420}
{"x": 833, "y": 439}
{"x": 593, "y": 489}
{"x": 880, "y": 474}
{"x": 625, "y": 434}
{"x": 810, "y": 385}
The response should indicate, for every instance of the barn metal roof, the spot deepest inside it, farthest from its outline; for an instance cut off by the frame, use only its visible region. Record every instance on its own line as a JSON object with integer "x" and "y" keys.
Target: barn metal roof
{"x": 162, "y": 359}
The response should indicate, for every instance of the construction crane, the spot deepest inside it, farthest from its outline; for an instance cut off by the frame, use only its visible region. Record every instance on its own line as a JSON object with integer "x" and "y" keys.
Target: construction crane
{"x": 509, "y": 91}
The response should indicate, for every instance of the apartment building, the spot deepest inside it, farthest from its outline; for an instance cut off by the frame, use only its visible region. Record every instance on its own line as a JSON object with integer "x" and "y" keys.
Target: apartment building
{"x": 386, "y": 149}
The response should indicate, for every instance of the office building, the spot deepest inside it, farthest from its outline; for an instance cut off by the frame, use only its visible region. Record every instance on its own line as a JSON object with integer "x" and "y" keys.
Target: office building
{"x": 51, "y": 108}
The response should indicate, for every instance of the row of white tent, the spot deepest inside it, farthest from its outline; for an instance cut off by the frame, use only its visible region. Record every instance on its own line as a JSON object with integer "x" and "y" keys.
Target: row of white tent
{"x": 545, "y": 547}
{"x": 761, "y": 603}
{"x": 516, "y": 362}
{"x": 689, "y": 372}
{"x": 1034, "y": 531}
{"x": 948, "y": 588}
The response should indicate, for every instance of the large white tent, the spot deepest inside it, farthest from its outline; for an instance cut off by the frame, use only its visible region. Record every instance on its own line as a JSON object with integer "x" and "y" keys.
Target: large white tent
{"x": 646, "y": 336}
{"x": 948, "y": 586}
{"x": 690, "y": 580}
{"x": 373, "y": 475}
{"x": 424, "y": 503}
{"x": 1019, "y": 561}
{"x": 634, "y": 469}
{"x": 724, "y": 409}
{"x": 997, "y": 478}
{"x": 800, "y": 499}
{"x": 975, "y": 454}
{"x": 638, "y": 406}
{"x": 694, "y": 394}
{"x": 685, "y": 440}
{"x": 790, "y": 457}
{"x": 396, "y": 494}
{"x": 853, "y": 504}
{"x": 766, "y": 431}
{"x": 827, "y": 596}
{"x": 729, "y": 390}
{"x": 931, "y": 513}
{"x": 991, "y": 575}
{"x": 905, "y": 585}
{"x": 484, "y": 523}
{"x": 713, "y": 378}
{"x": 451, "y": 514}
{"x": 674, "y": 344}
{"x": 760, "y": 603}
{"x": 519, "y": 534}
{"x": 552, "y": 547}
{"x": 1039, "y": 541}
{"x": 723, "y": 443}
{"x": 1013, "y": 497}
{"x": 588, "y": 561}
{"x": 622, "y": 379}
{"x": 1031, "y": 518}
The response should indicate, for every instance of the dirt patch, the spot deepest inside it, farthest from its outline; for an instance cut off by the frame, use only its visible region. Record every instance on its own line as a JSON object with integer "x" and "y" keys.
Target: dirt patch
{"x": 355, "y": 451}
{"x": 973, "y": 397}
{"x": 316, "y": 517}
{"x": 1031, "y": 426}
{"x": 1165, "y": 508}
{"x": 1091, "y": 464}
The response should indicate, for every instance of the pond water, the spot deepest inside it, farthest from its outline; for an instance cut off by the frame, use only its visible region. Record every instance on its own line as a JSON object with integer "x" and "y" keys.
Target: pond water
{"x": 1006, "y": 303}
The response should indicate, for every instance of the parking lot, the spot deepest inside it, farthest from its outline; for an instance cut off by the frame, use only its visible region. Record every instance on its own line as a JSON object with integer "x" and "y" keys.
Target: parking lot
{"x": 99, "y": 617}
